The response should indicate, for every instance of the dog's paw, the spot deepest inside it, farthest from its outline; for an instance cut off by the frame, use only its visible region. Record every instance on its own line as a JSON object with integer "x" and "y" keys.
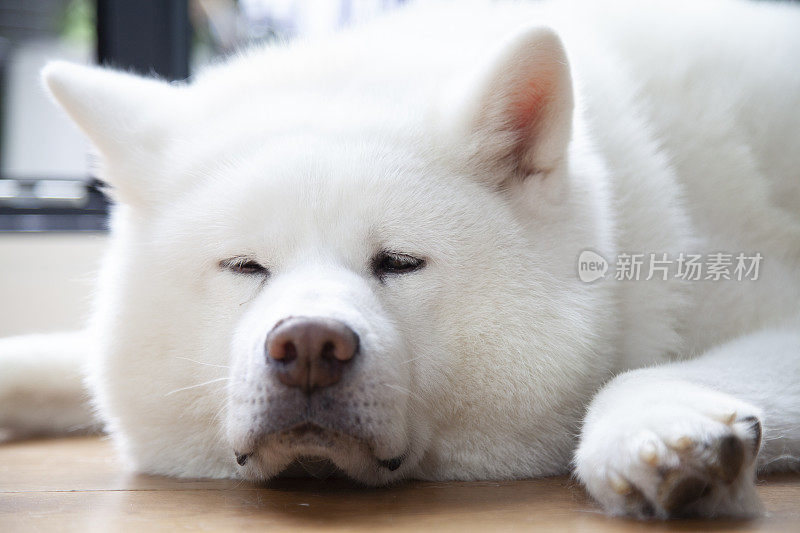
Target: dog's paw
{"x": 41, "y": 389}
{"x": 670, "y": 461}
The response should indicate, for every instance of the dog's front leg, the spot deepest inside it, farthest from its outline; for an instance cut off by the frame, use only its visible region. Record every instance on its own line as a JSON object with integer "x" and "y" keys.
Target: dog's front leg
{"x": 686, "y": 438}
{"x": 41, "y": 385}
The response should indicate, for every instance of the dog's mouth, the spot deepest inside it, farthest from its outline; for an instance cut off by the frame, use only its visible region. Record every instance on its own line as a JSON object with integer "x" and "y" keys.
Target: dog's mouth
{"x": 310, "y": 450}
{"x": 315, "y": 467}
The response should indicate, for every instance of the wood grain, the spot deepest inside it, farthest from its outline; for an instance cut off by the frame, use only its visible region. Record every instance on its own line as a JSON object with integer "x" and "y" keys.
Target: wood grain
{"x": 78, "y": 485}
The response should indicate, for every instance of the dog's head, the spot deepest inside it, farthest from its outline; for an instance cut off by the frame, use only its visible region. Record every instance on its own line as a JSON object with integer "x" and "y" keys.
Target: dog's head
{"x": 305, "y": 267}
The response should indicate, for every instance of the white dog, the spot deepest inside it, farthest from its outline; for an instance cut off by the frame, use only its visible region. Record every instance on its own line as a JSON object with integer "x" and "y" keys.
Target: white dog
{"x": 375, "y": 249}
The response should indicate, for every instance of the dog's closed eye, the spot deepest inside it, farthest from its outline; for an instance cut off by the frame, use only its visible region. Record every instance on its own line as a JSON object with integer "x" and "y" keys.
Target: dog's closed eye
{"x": 387, "y": 263}
{"x": 244, "y": 265}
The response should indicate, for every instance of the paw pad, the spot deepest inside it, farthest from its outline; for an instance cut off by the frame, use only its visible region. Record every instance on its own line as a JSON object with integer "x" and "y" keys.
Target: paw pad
{"x": 677, "y": 476}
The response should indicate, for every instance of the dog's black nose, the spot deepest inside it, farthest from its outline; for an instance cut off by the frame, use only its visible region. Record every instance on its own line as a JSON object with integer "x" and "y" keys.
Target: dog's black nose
{"x": 310, "y": 353}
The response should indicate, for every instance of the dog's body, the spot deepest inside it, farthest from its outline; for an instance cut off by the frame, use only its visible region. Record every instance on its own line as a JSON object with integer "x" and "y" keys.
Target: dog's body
{"x": 429, "y": 182}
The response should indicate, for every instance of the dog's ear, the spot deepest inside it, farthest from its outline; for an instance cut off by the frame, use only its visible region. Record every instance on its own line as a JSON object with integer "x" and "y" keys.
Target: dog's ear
{"x": 122, "y": 114}
{"x": 518, "y": 113}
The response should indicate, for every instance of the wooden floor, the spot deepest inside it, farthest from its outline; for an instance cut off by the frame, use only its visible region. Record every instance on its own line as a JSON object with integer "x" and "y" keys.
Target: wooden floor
{"x": 78, "y": 485}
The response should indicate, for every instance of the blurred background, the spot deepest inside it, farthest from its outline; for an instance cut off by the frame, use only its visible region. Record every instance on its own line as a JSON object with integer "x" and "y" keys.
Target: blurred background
{"x": 52, "y": 216}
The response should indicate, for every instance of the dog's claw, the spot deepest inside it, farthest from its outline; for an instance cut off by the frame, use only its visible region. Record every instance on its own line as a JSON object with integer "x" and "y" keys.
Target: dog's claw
{"x": 682, "y": 443}
{"x": 649, "y": 454}
{"x": 727, "y": 418}
{"x": 618, "y": 484}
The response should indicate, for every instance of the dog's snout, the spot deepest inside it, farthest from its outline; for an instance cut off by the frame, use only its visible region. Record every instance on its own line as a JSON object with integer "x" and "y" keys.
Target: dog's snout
{"x": 310, "y": 353}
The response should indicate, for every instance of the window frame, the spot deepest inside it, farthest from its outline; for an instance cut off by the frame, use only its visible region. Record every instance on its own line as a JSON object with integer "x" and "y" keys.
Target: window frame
{"x": 150, "y": 38}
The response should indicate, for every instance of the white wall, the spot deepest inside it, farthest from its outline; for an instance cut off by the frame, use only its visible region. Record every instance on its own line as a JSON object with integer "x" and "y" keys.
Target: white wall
{"x": 46, "y": 280}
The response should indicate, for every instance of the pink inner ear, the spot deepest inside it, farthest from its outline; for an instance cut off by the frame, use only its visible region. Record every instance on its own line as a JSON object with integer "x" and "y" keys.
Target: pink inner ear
{"x": 528, "y": 104}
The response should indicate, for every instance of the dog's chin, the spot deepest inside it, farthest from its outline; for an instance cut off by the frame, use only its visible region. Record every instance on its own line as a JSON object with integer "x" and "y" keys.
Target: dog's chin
{"x": 309, "y": 450}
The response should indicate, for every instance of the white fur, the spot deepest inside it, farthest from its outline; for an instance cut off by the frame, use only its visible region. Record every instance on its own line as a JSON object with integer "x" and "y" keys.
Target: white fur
{"x": 496, "y": 149}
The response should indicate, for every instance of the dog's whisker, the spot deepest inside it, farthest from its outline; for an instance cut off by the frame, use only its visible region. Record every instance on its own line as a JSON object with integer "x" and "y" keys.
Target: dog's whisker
{"x": 202, "y": 362}
{"x": 198, "y": 385}
{"x": 404, "y": 390}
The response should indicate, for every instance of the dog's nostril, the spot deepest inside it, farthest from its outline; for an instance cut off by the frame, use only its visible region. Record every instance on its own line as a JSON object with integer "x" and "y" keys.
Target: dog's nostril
{"x": 282, "y": 351}
{"x": 289, "y": 352}
{"x": 329, "y": 350}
